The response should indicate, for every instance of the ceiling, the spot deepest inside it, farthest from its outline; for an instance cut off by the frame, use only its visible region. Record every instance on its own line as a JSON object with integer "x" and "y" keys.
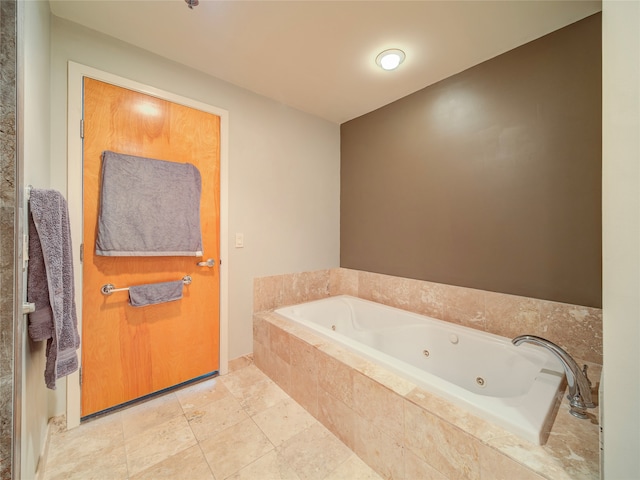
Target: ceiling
{"x": 319, "y": 56}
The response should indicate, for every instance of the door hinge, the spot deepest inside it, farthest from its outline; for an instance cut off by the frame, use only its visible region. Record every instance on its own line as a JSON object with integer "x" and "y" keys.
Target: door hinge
{"x": 81, "y": 252}
{"x": 82, "y": 128}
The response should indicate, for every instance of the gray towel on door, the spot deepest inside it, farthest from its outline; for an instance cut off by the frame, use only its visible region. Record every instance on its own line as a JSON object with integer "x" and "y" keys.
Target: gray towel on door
{"x": 148, "y": 207}
{"x": 50, "y": 284}
{"x": 143, "y": 295}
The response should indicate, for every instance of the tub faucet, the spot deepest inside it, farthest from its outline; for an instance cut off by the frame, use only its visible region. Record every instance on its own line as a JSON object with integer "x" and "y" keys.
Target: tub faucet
{"x": 579, "y": 384}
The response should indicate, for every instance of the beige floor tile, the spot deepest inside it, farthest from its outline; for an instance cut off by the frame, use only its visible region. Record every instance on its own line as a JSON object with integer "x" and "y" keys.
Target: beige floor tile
{"x": 283, "y": 421}
{"x": 105, "y": 464}
{"x": 353, "y": 469}
{"x": 253, "y": 389}
{"x": 240, "y": 381}
{"x": 140, "y": 417}
{"x": 158, "y": 439}
{"x": 116, "y": 472}
{"x": 158, "y": 443}
{"x": 189, "y": 464}
{"x": 314, "y": 453}
{"x": 87, "y": 440}
{"x": 199, "y": 394}
{"x": 262, "y": 395}
{"x": 216, "y": 416}
{"x": 269, "y": 467}
{"x": 234, "y": 448}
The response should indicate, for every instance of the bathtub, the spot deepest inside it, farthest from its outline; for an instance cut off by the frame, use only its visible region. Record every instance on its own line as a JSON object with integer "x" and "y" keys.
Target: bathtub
{"x": 517, "y": 388}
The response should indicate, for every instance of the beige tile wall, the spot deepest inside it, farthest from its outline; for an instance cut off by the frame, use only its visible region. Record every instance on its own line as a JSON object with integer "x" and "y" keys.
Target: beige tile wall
{"x": 576, "y": 328}
{"x": 400, "y": 430}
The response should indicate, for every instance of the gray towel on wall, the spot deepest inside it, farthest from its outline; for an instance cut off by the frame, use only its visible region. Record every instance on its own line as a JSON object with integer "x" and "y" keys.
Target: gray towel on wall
{"x": 148, "y": 207}
{"x": 50, "y": 284}
{"x": 142, "y": 295}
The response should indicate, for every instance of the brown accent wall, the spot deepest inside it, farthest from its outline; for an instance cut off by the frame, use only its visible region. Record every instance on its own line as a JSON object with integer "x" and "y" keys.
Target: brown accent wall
{"x": 489, "y": 179}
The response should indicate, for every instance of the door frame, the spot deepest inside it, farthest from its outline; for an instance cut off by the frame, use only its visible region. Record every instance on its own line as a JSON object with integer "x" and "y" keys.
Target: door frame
{"x": 75, "y": 102}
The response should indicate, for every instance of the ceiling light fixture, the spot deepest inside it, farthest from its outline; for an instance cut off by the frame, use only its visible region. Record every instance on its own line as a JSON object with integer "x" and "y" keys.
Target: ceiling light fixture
{"x": 192, "y": 3}
{"x": 390, "y": 59}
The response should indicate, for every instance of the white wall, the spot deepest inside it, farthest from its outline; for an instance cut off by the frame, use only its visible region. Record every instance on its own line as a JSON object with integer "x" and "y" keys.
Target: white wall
{"x": 284, "y": 165}
{"x": 35, "y": 152}
{"x": 284, "y": 188}
{"x": 621, "y": 238}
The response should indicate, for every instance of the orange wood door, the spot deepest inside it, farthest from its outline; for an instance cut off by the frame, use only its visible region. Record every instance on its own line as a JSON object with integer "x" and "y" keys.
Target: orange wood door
{"x": 129, "y": 352}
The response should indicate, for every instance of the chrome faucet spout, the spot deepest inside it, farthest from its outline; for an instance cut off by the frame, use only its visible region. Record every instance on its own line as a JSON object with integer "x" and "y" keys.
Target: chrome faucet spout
{"x": 579, "y": 384}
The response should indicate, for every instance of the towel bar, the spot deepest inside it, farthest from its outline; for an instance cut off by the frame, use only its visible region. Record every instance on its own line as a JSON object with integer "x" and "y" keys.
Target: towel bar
{"x": 109, "y": 288}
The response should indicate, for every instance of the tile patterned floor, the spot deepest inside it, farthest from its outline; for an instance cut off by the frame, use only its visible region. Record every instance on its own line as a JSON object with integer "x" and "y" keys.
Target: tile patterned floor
{"x": 239, "y": 426}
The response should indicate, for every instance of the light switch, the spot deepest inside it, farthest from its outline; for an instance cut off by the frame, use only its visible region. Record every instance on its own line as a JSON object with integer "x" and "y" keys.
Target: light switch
{"x": 239, "y": 240}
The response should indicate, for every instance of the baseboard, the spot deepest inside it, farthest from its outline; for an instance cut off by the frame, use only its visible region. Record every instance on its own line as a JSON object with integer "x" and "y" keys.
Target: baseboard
{"x": 44, "y": 454}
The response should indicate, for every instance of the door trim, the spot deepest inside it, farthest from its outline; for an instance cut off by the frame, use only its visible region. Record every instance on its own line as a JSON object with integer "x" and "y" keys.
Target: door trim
{"x": 76, "y": 72}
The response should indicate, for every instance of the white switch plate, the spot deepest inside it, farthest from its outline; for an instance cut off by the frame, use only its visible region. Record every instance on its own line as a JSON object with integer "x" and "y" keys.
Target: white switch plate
{"x": 239, "y": 240}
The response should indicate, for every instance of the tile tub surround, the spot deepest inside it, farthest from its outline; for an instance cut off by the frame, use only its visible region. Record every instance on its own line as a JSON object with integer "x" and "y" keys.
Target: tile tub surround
{"x": 575, "y": 328}
{"x": 292, "y": 358}
{"x": 404, "y": 432}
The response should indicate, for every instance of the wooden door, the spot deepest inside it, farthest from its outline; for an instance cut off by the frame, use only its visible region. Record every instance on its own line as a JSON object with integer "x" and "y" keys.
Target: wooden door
{"x": 129, "y": 352}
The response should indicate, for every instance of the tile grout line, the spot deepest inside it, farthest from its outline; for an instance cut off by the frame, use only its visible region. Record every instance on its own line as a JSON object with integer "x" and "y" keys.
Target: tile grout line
{"x": 207, "y": 461}
{"x": 167, "y": 397}
{"x": 196, "y": 437}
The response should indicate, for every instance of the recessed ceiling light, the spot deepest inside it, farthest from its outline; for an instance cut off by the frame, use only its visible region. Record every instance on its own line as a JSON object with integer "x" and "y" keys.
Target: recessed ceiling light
{"x": 390, "y": 59}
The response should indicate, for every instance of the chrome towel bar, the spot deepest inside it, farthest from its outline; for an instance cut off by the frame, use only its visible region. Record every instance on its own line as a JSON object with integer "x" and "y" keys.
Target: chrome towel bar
{"x": 109, "y": 288}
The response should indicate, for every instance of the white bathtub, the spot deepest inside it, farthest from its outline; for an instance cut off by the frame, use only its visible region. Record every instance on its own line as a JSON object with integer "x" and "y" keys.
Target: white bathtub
{"x": 516, "y": 388}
